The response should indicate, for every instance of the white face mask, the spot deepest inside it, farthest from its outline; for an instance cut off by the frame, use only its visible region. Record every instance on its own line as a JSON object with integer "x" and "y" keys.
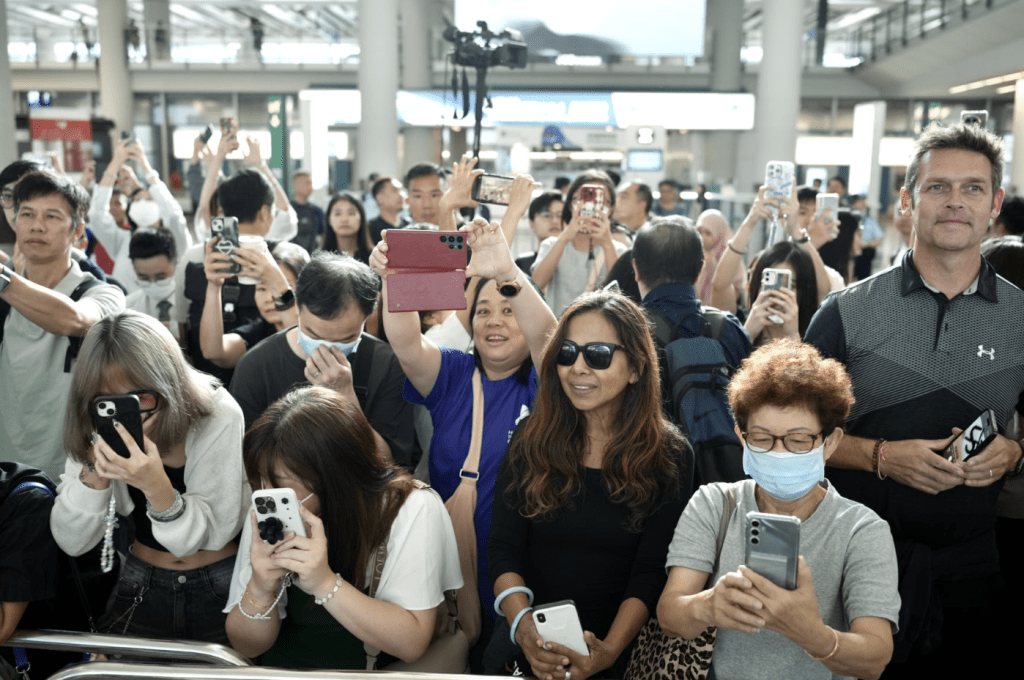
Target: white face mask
{"x": 158, "y": 290}
{"x": 144, "y": 212}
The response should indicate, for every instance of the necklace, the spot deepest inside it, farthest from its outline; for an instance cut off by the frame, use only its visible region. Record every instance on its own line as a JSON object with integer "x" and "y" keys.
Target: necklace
{"x": 110, "y": 522}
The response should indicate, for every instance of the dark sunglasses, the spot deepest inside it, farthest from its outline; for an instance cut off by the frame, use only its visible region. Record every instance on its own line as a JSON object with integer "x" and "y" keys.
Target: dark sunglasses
{"x": 598, "y": 355}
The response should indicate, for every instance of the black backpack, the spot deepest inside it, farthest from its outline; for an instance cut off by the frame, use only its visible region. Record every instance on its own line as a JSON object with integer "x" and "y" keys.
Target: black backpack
{"x": 74, "y": 343}
{"x": 695, "y": 373}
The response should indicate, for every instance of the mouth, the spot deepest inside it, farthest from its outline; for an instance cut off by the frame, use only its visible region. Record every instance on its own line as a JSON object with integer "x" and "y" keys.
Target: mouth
{"x": 583, "y": 389}
{"x": 494, "y": 339}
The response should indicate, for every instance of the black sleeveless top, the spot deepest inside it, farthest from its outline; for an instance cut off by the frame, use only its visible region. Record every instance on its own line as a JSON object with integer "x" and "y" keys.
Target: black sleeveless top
{"x": 143, "y": 524}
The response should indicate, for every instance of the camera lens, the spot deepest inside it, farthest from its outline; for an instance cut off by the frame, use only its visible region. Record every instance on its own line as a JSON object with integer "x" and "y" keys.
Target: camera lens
{"x": 541, "y": 618}
{"x": 754, "y": 532}
{"x": 271, "y": 505}
{"x": 754, "y": 541}
{"x": 755, "y": 523}
{"x": 284, "y": 501}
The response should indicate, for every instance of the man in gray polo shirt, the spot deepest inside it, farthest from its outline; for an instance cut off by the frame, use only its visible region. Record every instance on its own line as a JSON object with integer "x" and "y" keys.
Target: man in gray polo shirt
{"x": 930, "y": 344}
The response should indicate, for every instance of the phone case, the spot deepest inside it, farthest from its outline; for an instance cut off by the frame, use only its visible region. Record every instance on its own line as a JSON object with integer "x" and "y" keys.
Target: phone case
{"x": 773, "y": 547}
{"x": 281, "y": 505}
{"x": 426, "y": 270}
{"x": 124, "y": 408}
{"x": 227, "y": 229}
{"x": 494, "y": 189}
{"x": 559, "y": 622}
{"x": 592, "y": 200}
{"x": 974, "y": 438}
{"x": 827, "y": 202}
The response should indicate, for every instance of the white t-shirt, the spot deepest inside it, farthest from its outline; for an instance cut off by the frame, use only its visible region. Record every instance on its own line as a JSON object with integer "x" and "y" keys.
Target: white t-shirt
{"x": 422, "y": 561}
{"x": 570, "y": 278}
{"x": 142, "y": 303}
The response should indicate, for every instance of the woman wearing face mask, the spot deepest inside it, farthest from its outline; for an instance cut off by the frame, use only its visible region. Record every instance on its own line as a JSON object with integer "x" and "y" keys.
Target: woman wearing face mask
{"x": 348, "y": 232}
{"x": 275, "y": 298}
{"x": 304, "y": 602}
{"x": 184, "y": 489}
{"x": 789, "y": 404}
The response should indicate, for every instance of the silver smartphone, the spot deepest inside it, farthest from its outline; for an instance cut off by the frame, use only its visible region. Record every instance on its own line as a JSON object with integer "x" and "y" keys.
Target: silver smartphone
{"x": 825, "y": 202}
{"x": 779, "y": 178}
{"x": 773, "y": 547}
{"x": 972, "y": 440}
{"x": 277, "y": 512}
{"x": 559, "y": 622}
{"x": 776, "y": 279}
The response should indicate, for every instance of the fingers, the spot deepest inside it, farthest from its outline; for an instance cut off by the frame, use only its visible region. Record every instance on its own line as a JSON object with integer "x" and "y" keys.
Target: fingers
{"x": 128, "y": 439}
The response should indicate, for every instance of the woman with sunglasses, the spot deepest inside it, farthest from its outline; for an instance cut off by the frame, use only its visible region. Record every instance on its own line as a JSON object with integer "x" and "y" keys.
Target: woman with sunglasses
{"x": 588, "y": 494}
{"x": 789, "y": 404}
{"x": 184, "y": 490}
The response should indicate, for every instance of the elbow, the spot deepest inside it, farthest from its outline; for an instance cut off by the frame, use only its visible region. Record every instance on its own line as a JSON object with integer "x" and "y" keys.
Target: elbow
{"x": 415, "y": 646}
{"x": 876, "y": 666}
{"x": 665, "y": 618}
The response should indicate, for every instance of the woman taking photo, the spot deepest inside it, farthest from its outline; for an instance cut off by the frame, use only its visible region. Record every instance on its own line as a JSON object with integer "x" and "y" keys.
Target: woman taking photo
{"x": 589, "y": 492}
{"x": 789, "y": 404}
{"x": 783, "y": 312}
{"x": 184, "y": 490}
{"x": 303, "y": 602}
{"x": 347, "y": 231}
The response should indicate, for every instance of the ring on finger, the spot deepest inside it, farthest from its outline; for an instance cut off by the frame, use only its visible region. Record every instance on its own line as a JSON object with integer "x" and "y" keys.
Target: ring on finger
{"x": 317, "y": 374}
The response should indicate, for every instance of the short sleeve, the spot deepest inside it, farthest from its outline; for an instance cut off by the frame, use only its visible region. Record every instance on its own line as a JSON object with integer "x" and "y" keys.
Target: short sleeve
{"x": 456, "y": 369}
{"x": 545, "y": 248}
{"x": 694, "y": 544}
{"x": 825, "y": 331}
{"x": 870, "y": 574}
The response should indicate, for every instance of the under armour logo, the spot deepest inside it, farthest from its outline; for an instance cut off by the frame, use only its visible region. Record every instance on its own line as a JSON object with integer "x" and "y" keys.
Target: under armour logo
{"x": 990, "y": 353}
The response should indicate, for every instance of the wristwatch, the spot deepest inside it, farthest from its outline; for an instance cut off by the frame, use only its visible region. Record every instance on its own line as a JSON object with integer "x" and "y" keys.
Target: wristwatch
{"x": 1019, "y": 467}
{"x": 286, "y": 301}
{"x": 509, "y": 289}
{"x": 804, "y": 238}
{"x": 5, "y": 277}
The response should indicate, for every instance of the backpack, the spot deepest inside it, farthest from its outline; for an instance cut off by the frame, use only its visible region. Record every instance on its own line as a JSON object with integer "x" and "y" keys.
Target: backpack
{"x": 695, "y": 373}
{"x": 74, "y": 343}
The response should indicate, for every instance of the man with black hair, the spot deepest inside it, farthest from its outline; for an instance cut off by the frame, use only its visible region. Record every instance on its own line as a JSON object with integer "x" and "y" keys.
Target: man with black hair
{"x": 1011, "y": 218}
{"x": 388, "y": 193}
{"x": 153, "y": 256}
{"x": 426, "y": 184}
{"x": 249, "y": 197}
{"x": 50, "y": 305}
{"x": 311, "y": 217}
{"x": 335, "y": 294}
{"x": 633, "y": 205}
{"x": 668, "y": 199}
{"x": 545, "y": 219}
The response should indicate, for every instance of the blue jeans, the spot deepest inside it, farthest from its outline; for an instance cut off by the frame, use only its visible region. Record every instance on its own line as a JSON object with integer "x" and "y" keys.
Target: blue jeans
{"x": 159, "y": 603}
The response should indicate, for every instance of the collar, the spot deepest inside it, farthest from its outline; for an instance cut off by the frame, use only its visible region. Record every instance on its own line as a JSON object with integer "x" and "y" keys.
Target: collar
{"x": 984, "y": 285}
{"x": 674, "y": 292}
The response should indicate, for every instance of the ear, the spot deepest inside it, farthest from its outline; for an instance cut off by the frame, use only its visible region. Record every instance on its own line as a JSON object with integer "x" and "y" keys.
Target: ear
{"x": 833, "y": 442}
{"x": 636, "y": 272}
{"x": 906, "y": 202}
{"x": 77, "y": 231}
{"x": 634, "y": 377}
{"x": 997, "y": 202}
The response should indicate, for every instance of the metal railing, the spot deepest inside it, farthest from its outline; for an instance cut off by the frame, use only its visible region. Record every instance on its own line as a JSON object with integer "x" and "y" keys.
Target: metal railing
{"x": 131, "y": 671}
{"x": 178, "y": 650}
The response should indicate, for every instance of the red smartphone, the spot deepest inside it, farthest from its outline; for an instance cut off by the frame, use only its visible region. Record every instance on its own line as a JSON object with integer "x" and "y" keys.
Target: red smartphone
{"x": 426, "y": 270}
{"x": 591, "y": 200}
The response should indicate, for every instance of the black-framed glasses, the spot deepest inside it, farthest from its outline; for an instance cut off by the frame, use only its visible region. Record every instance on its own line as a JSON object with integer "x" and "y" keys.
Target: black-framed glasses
{"x": 598, "y": 355}
{"x": 149, "y": 400}
{"x": 794, "y": 442}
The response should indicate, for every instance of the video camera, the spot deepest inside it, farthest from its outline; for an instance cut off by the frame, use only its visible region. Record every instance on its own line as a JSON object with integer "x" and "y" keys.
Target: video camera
{"x": 474, "y": 49}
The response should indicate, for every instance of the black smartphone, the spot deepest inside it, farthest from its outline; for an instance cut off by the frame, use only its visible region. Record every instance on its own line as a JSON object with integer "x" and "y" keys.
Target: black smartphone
{"x": 972, "y": 440}
{"x": 227, "y": 229}
{"x": 124, "y": 408}
{"x": 205, "y": 136}
{"x": 494, "y": 189}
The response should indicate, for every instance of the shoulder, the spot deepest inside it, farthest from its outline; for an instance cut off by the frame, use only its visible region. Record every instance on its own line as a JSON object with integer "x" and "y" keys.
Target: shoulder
{"x": 271, "y": 348}
{"x": 621, "y": 247}
{"x": 195, "y": 253}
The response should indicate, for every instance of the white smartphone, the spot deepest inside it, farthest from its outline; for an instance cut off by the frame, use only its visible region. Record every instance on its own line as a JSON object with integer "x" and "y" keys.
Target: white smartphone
{"x": 827, "y": 202}
{"x": 277, "y": 512}
{"x": 559, "y": 622}
{"x": 779, "y": 177}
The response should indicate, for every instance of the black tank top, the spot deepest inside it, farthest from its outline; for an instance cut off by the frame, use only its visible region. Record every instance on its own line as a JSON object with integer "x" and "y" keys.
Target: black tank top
{"x": 143, "y": 524}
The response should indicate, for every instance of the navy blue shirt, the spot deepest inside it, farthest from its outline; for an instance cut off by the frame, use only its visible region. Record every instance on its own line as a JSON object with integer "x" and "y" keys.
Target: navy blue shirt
{"x": 679, "y": 303}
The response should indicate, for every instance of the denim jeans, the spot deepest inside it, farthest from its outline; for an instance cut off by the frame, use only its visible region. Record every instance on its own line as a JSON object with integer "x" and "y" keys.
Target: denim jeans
{"x": 159, "y": 603}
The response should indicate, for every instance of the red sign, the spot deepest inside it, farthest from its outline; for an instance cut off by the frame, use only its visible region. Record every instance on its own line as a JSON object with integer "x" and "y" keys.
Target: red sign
{"x": 75, "y": 130}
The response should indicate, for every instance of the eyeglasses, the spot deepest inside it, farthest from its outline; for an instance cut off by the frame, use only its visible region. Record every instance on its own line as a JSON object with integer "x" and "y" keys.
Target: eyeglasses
{"x": 547, "y": 214}
{"x": 7, "y": 198}
{"x": 795, "y": 442}
{"x": 149, "y": 400}
{"x": 598, "y": 355}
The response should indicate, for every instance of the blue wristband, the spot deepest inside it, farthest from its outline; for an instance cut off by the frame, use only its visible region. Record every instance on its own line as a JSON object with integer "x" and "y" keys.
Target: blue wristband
{"x": 515, "y": 624}
{"x": 508, "y": 591}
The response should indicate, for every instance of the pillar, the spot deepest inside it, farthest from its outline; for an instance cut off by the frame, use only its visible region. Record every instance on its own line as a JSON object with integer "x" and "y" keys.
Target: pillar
{"x": 8, "y": 145}
{"x": 418, "y": 17}
{"x": 377, "y": 149}
{"x": 1017, "y": 167}
{"x": 865, "y": 172}
{"x": 156, "y": 16}
{"x": 725, "y": 30}
{"x": 115, "y": 81}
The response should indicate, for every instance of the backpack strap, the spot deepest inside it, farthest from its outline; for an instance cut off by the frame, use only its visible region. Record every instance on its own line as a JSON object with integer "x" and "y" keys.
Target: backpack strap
{"x": 363, "y": 368}
{"x": 75, "y": 342}
{"x": 729, "y": 491}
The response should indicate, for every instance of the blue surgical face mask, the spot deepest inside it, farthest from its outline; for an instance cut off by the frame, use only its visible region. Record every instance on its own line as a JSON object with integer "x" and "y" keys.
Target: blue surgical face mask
{"x": 785, "y": 476}
{"x": 309, "y": 344}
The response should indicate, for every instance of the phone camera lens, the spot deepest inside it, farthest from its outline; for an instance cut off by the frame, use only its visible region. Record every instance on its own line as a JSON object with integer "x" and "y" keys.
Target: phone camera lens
{"x": 459, "y": 239}
{"x": 754, "y": 532}
{"x": 754, "y": 541}
{"x": 541, "y": 618}
{"x": 271, "y": 506}
{"x": 451, "y": 247}
{"x": 284, "y": 501}
{"x": 755, "y": 523}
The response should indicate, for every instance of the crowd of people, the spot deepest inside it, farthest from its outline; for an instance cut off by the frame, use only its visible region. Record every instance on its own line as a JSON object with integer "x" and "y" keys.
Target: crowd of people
{"x": 593, "y": 425}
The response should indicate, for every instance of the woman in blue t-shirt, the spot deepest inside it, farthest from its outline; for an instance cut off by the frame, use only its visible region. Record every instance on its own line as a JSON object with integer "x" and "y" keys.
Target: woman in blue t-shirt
{"x": 510, "y": 324}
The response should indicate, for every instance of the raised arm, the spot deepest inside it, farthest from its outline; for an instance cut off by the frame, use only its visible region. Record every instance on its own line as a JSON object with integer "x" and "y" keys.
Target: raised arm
{"x": 57, "y": 313}
{"x": 724, "y": 293}
{"x": 170, "y": 210}
{"x": 459, "y": 194}
{"x": 286, "y": 221}
{"x": 214, "y": 162}
{"x": 220, "y": 348}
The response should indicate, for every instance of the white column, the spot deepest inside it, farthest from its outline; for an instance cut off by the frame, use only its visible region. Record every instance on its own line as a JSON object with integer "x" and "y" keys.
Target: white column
{"x": 418, "y": 18}
{"x": 865, "y": 172}
{"x": 377, "y": 149}
{"x": 154, "y": 12}
{"x": 725, "y": 31}
{"x": 1017, "y": 168}
{"x": 8, "y": 145}
{"x": 778, "y": 85}
{"x": 115, "y": 81}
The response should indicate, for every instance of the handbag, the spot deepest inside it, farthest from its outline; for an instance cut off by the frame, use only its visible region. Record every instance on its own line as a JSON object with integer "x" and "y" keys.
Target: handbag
{"x": 449, "y": 648}
{"x": 656, "y": 656}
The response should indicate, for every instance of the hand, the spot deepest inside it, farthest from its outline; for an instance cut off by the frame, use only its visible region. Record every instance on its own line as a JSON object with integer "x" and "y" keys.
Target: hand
{"x": 252, "y": 154}
{"x": 546, "y": 665}
{"x": 491, "y": 257}
{"x": 598, "y": 227}
{"x": 824, "y": 228}
{"x": 733, "y": 605}
{"x": 459, "y": 194}
{"x": 227, "y": 144}
{"x": 119, "y": 156}
{"x": 216, "y": 265}
{"x": 379, "y": 256}
{"x": 329, "y": 368}
{"x": 759, "y": 210}
{"x": 198, "y": 147}
{"x": 991, "y": 463}
{"x": 144, "y": 469}
{"x": 916, "y": 463}
{"x": 601, "y": 656}
{"x": 520, "y": 194}
{"x": 127, "y": 181}
{"x": 136, "y": 153}
{"x": 266, "y": 576}
{"x": 89, "y": 174}
{"x": 258, "y": 263}
{"x": 778, "y": 303}
{"x": 790, "y": 210}
{"x": 306, "y": 557}
{"x": 793, "y": 613}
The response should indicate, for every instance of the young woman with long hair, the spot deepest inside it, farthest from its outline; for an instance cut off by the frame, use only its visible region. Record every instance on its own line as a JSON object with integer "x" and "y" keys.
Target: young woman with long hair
{"x": 347, "y": 228}
{"x": 589, "y": 491}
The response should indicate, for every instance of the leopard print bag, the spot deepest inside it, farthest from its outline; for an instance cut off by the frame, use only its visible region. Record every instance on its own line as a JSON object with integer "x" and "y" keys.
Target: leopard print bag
{"x": 656, "y": 656}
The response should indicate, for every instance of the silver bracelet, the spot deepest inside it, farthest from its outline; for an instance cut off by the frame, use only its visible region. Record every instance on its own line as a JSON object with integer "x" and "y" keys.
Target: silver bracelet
{"x": 286, "y": 581}
{"x": 322, "y": 601}
{"x": 172, "y": 513}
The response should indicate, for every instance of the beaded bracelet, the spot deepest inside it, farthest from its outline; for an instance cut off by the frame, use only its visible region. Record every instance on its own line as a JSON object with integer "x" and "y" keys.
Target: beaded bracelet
{"x": 286, "y": 581}
{"x": 508, "y": 591}
{"x": 878, "y": 457}
{"x": 176, "y": 510}
{"x": 515, "y": 624}
{"x": 322, "y": 601}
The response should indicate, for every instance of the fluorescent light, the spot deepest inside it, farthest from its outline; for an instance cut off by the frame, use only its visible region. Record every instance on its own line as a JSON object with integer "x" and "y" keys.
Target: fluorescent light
{"x": 1007, "y": 89}
{"x": 987, "y": 82}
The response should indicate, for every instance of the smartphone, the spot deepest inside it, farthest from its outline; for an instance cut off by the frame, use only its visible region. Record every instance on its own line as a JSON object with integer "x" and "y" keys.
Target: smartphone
{"x": 827, "y": 202}
{"x": 227, "y": 229}
{"x": 776, "y": 279}
{"x": 972, "y": 440}
{"x": 205, "y": 136}
{"x": 779, "y": 178}
{"x": 773, "y": 547}
{"x": 277, "y": 512}
{"x": 124, "y": 408}
{"x": 494, "y": 189}
{"x": 592, "y": 200}
{"x": 227, "y": 125}
{"x": 979, "y": 118}
{"x": 127, "y": 134}
{"x": 559, "y": 622}
{"x": 426, "y": 270}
